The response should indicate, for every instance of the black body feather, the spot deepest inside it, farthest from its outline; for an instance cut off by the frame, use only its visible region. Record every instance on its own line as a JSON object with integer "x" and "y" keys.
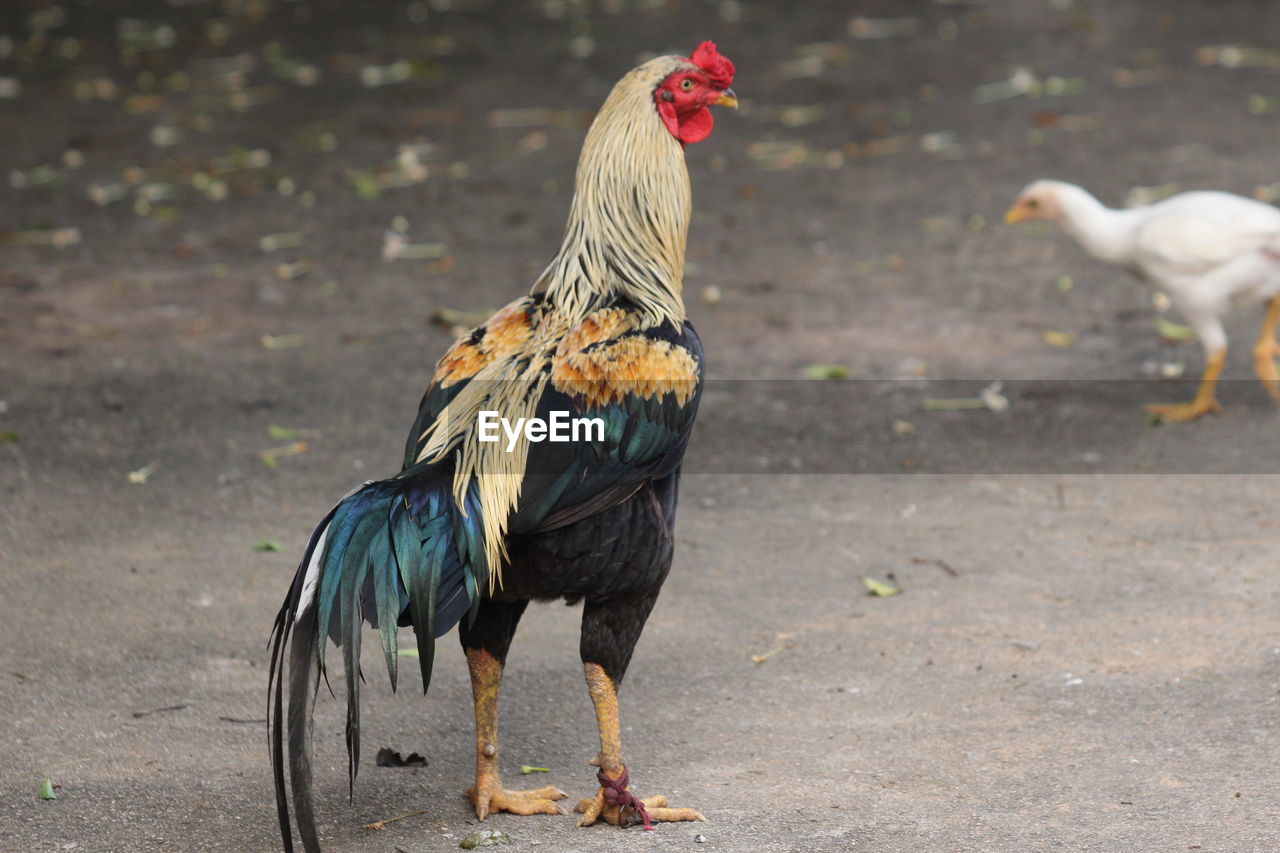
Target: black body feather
{"x": 594, "y": 523}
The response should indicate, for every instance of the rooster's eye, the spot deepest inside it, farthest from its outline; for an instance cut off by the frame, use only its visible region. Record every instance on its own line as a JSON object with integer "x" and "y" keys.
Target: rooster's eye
{"x": 686, "y": 84}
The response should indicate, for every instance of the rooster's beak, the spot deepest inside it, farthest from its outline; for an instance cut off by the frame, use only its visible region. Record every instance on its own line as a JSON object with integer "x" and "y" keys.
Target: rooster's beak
{"x": 727, "y": 99}
{"x": 1017, "y": 213}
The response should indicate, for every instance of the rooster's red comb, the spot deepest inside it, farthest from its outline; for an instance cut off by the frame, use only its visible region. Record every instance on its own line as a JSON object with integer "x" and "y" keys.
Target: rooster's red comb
{"x": 718, "y": 67}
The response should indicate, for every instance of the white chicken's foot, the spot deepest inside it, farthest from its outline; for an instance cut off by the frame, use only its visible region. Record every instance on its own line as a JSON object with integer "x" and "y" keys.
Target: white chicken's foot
{"x": 1266, "y": 350}
{"x": 1264, "y": 364}
{"x": 1204, "y": 402}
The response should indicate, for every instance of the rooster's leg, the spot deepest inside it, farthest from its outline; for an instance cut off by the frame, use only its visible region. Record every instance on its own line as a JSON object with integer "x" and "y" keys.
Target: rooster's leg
{"x": 609, "y": 634}
{"x": 1266, "y": 350}
{"x": 1204, "y": 401}
{"x": 486, "y": 643}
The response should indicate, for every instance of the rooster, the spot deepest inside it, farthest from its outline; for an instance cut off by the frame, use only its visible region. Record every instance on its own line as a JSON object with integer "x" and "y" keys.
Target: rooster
{"x": 471, "y": 530}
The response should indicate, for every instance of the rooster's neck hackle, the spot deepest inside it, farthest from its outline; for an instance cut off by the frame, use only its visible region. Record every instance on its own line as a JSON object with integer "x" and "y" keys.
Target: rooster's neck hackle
{"x": 625, "y": 240}
{"x": 629, "y": 221}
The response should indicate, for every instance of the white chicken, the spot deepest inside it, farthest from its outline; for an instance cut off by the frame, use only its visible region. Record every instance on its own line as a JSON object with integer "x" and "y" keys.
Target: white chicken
{"x": 1209, "y": 251}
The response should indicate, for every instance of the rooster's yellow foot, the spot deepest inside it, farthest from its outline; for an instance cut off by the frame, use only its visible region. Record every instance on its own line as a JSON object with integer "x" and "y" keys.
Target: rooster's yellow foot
{"x": 493, "y": 798}
{"x": 1264, "y": 364}
{"x": 1170, "y": 413}
{"x": 597, "y": 809}
{"x": 614, "y": 804}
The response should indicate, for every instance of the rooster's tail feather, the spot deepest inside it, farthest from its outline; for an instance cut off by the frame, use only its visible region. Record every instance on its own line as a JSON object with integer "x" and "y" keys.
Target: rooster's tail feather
{"x": 390, "y": 553}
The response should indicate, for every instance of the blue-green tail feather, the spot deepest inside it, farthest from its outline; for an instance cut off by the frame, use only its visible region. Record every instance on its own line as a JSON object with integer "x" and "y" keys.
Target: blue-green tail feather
{"x": 394, "y": 552}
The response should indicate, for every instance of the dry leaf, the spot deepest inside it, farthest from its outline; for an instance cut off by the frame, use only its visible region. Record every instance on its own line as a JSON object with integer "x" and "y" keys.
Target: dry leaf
{"x": 879, "y": 588}
{"x": 140, "y": 476}
{"x": 1058, "y": 339}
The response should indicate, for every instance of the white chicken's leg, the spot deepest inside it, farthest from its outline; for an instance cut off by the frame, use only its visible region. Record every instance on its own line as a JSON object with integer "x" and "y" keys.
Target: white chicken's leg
{"x": 1266, "y": 350}
{"x": 1214, "y": 340}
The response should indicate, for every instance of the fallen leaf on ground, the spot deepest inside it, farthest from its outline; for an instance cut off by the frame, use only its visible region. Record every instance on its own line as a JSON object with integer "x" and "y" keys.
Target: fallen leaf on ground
{"x": 988, "y": 398}
{"x": 782, "y": 644}
{"x": 267, "y": 545}
{"x": 59, "y": 238}
{"x": 394, "y": 247}
{"x": 274, "y": 342}
{"x": 142, "y": 474}
{"x": 761, "y": 658}
{"x": 367, "y": 186}
{"x": 879, "y": 588}
{"x": 387, "y": 757}
{"x": 46, "y": 790}
{"x": 272, "y": 242}
{"x": 271, "y": 457}
{"x": 1054, "y": 338}
{"x": 1238, "y": 56}
{"x": 943, "y": 404}
{"x": 288, "y": 272}
{"x": 283, "y": 433}
{"x": 1260, "y": 105}
{"x": 1019, "y": 83}
{"x": 826, "y": 371}
{"x": 1173, "y": 331}
{"x": 526, "y": 769}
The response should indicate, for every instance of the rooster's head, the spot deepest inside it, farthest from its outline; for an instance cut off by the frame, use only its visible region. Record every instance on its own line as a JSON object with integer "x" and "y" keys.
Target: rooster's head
{"x": 683, "y": 96}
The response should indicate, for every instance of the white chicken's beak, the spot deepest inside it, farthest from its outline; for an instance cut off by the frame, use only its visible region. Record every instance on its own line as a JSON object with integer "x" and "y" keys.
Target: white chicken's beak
{"x": 727, "y": 99}
{"x": 1017, "y": 213}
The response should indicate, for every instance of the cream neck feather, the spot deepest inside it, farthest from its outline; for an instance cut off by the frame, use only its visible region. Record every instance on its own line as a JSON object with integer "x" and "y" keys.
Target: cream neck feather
{"x": 629, "y": 220}
{"x": 625, "y": 238}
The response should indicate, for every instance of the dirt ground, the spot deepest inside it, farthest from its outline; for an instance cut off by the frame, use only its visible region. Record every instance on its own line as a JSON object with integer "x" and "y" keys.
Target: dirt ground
{"x": 1084, "y": 655}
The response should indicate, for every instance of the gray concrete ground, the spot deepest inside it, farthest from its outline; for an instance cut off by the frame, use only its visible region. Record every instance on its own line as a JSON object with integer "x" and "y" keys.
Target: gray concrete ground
{"x": 1084, "y": 654}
